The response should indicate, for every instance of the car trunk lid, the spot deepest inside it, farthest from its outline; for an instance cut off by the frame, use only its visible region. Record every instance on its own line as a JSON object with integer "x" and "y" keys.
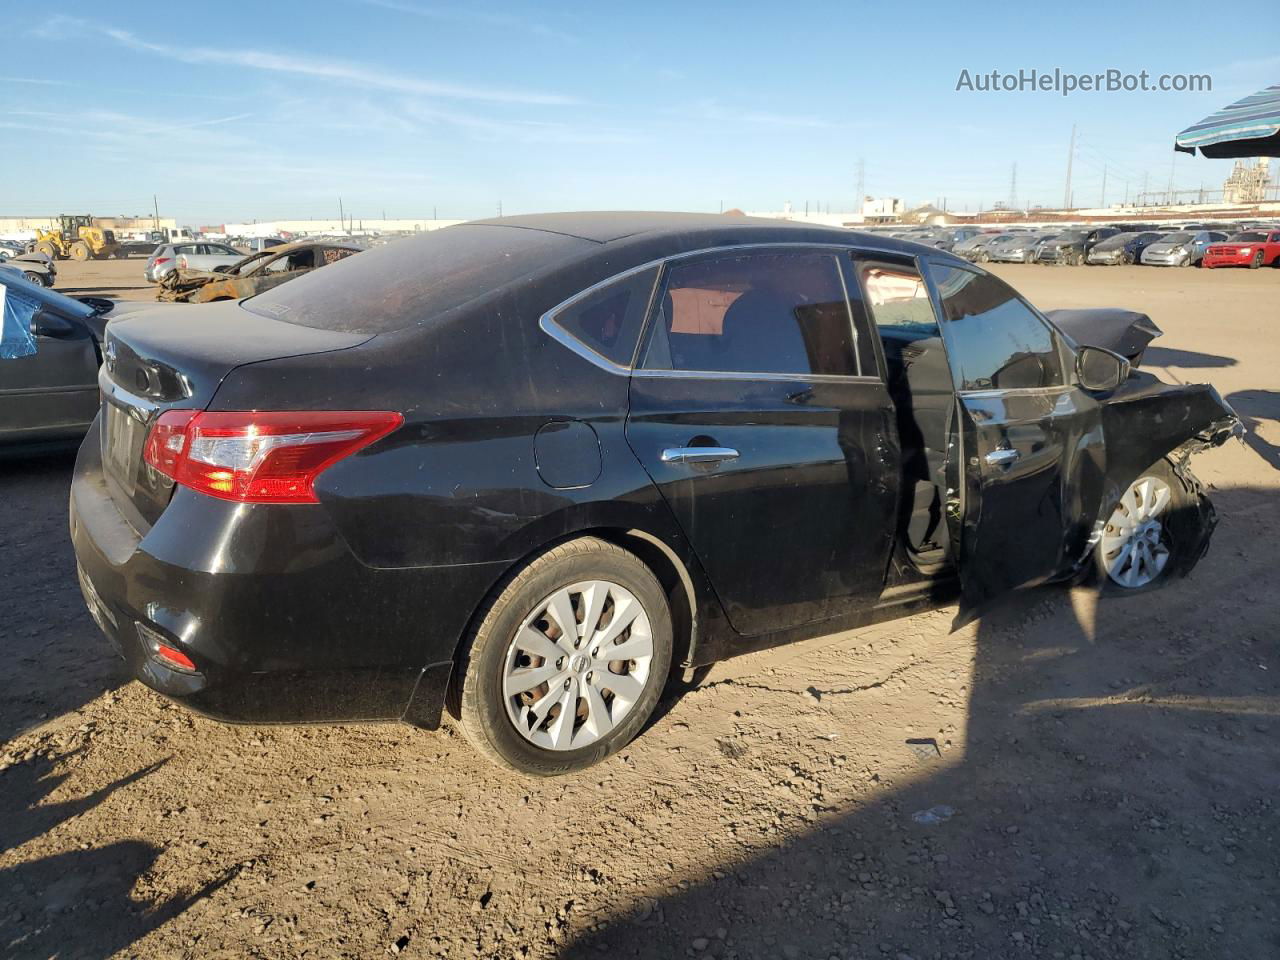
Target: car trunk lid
{"x": 175, "y": 359}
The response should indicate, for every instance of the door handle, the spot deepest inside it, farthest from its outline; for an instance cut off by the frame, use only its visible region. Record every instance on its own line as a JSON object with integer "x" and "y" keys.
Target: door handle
{"x": 1004, "y": 455}
{"x": 698, "y": 454}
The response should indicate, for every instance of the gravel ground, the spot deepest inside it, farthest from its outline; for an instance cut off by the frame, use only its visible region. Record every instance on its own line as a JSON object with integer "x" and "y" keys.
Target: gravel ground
{"x": 1068, "y": 777}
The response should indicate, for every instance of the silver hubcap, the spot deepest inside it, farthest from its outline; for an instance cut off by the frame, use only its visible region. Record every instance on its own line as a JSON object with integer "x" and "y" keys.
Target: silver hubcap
{"x": 1134, "y": 546}
{"x": 577, "y": 665}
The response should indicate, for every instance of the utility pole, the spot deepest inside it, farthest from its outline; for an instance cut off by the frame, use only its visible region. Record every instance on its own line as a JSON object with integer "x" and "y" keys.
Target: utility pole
{"x": 156, "y": 204}
{"x": 1143, "y": 195}
{"x": 1013, "y": 188}
{"x": 433, "y": 214}
{"x": 342, "y": 217}
{"x": 1071, "y": 155}
{"x": 499, "y": 209}
{"x": 1169, "y": 197}
{"x": 1103, "y": 204}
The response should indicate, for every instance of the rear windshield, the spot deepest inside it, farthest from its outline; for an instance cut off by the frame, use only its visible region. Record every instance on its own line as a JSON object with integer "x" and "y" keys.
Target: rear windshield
{"x": 414, "y": 279}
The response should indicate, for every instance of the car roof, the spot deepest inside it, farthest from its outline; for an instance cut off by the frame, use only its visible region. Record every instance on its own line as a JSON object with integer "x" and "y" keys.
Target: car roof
{"x": 625, "y": 227}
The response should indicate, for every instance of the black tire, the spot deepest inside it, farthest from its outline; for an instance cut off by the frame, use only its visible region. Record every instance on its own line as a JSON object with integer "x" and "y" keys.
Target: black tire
{"x": 36, "y": 278}
{"x": 1182, "y": 532}
{"x": 479, "y": 699}
{"x": 1256, "y": 262}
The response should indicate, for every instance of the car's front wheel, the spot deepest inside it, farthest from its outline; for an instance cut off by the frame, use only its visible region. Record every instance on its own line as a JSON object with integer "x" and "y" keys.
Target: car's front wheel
{"x": 1145, "y": 537}
{"x": 568, "y": 660}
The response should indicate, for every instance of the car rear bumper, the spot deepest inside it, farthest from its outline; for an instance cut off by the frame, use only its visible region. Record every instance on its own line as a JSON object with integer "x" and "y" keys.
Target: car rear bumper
{"x": 283, "y": 623}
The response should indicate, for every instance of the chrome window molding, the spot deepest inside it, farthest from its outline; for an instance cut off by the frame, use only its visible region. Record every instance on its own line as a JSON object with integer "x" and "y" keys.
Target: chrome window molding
{"x": 748, "y": 376}
{"x": 547, "y": 322}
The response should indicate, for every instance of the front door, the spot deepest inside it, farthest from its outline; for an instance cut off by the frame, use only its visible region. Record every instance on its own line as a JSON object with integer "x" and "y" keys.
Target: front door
{"x": 52, "y": 392}
{"x": 1031, "y": 440}
{"x": 757, "y": 410}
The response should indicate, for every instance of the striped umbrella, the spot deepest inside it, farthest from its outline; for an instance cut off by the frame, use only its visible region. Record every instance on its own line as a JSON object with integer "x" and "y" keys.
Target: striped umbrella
{"x": 1247, "y": 128}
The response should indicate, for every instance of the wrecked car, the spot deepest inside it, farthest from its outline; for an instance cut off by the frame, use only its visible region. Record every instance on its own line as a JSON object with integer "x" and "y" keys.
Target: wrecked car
{"x": 253, "y": 274}
{"x": 524, "y": 468}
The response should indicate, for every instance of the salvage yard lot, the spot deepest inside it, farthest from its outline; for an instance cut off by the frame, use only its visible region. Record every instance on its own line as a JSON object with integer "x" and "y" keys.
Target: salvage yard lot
{"x": 1105, "y": 773}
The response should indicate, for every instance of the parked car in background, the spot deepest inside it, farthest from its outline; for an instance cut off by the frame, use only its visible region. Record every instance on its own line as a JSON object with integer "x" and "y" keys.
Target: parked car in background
{"x": 1253, "y": 248}
{"x": 11, "y": 248}
{"x": 527, "y": 466}
{"x": 254, "y": 273}
{"x": 1182, "y": 249}
{"x": 1123, "y": 248}
{"x": 975, "y": 249}
{"x": 199, "y": 254}
{"x": 38, "y": 268}
{"x": 208, "y": 256}
{"x": 1019, "y": 248}
{"x": 1073, "y": 246}
{"x": 52, "y": 393}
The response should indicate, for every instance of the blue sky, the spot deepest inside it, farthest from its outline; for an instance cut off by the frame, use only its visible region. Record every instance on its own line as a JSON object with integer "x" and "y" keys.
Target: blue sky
{"x": 269, "y": 110}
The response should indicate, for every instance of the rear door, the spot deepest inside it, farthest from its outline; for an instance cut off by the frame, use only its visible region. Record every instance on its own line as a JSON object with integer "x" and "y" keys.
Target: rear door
{"x": 1031, "y": 439}
{"x": 757, "y": 409}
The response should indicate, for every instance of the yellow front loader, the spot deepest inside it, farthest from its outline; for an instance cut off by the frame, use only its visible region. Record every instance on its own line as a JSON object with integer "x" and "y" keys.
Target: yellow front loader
{"x": 77, "y": 238}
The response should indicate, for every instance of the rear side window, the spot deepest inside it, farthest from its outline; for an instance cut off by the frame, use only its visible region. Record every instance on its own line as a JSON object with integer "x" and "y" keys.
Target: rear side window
{"x": 608, "y": 320}
{"x": 996, "y": 341}
{"x": 770, "y": 313}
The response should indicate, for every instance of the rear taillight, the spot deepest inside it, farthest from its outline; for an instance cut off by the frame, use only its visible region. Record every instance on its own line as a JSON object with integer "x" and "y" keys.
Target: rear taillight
{"x": 159, "y": 260}
{"x": 256, "y": 457}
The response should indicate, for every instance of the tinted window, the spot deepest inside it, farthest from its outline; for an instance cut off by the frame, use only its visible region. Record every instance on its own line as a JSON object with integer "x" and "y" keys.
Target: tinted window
{"x": 754, "y": 313}
{"x": 997, "y": 341}
{"x": 608, "y": 320}
{"x": 1248, "y": 238}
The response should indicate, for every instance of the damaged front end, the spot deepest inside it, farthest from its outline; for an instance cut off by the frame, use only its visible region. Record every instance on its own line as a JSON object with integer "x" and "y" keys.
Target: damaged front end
{"x": 197, "y": 286}
{"x": 1146, "y": 421}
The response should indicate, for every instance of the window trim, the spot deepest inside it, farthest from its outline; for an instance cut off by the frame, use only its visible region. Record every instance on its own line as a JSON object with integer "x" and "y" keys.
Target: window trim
{"x": 547, "y": 322}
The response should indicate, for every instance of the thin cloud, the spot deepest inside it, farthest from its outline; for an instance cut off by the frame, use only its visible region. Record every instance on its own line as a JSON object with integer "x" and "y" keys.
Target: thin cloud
{"x": 463, "y": 15}
{"x": 299, "y": 65}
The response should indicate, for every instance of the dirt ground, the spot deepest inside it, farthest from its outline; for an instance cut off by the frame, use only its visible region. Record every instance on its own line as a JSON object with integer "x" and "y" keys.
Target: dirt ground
{"x": 1103, "y": 777}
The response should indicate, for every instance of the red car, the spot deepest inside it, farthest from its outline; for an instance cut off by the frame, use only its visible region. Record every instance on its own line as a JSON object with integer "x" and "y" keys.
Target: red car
{"x": 1254, "y": 248}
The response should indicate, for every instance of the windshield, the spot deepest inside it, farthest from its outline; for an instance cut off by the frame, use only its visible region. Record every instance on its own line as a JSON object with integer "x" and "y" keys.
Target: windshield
{"x": 1248, "y": 238}
{"x": 1070, "y": 236}
{"x": 1176, "y": 238}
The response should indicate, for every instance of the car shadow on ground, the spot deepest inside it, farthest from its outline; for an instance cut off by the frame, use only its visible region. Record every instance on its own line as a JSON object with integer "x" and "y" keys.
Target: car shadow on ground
{"x": 1114, "y": 798}
{"x": 1255, "y": 406}
{"x": 1186, "y": 359}
{"x": 56, "y": 659}
{"x": 51, "y": 903}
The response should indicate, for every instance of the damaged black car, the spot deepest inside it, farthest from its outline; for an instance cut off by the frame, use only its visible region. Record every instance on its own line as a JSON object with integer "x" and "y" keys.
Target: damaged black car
{"x": 524, "y": 469}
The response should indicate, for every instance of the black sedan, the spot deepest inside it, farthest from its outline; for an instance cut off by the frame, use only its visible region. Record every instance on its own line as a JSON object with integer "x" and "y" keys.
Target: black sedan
{"x": 526, "y": 468}
{"x": 1073, "y": 246}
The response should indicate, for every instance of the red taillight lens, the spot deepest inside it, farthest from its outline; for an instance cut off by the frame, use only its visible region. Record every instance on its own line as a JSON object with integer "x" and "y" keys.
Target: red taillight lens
{"x": 256, "y": 457}
{"x": 159, "y": 260}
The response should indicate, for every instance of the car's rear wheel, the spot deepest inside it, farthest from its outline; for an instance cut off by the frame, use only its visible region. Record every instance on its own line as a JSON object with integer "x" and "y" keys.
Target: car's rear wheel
{"x": 568, "y": 660}
{"x": 1141, "y": 544}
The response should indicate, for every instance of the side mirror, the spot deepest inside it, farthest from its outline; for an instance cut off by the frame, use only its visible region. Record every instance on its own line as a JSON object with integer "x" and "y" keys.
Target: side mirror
{"x": 1099, "y": 369}
{"x": 53, "y": 326}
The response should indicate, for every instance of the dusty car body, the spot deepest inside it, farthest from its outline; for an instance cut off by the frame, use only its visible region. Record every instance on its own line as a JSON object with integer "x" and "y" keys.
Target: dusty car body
{"x": 253, "y": 274}
{"x": 465, "y": 463}
{"x": 1122, "y": 249}
{"x": 1019, "y": 248}
{"x": 1073, "y": 246}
